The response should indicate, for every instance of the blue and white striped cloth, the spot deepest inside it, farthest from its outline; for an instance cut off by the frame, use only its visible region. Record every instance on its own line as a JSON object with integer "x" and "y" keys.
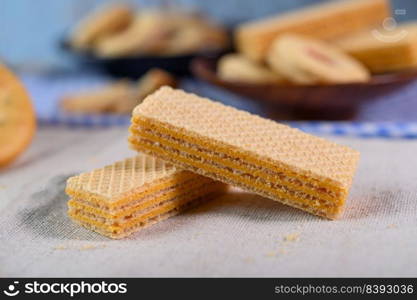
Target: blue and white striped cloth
{"x": 358, "y": 129}
{"x": 47, "y": 90}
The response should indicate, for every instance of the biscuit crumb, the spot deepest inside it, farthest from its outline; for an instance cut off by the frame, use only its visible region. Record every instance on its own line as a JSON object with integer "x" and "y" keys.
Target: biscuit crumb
{"x": 276, "y": 253}
{"x": 282, "y": 251}
{"x": 248, "y": 260}
{"x": 271, "y": 254}
{"x": 60, "y": 247}
{"x": 91, "y": 247}
{"x": 392, "y": 226}
{"x": 293, "y": 237}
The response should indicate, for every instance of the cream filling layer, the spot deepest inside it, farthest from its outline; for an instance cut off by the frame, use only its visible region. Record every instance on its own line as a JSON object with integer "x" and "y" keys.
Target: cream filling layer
{"x": 211, "y": 170}
{"x": 153, "y": 203}
{"x": 159, "y": 212}
{"x": 124, "y": 199}
{"x": 331, "y": 212}
{"x": 252, "y": 161}
{"x": 145, "y": 201}
{"x": 239, "y": 164}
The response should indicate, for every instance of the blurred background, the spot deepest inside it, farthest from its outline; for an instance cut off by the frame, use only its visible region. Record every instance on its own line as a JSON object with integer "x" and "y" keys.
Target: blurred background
{"x": 190, "y": 44}
{"x": 348, "y": 73}
{"x": 29, "y": 30}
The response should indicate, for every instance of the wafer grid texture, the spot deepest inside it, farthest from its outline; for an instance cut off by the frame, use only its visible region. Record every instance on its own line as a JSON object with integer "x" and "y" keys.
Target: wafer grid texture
{"x": 245, "y": 150}
{"x": 128, "y": 195}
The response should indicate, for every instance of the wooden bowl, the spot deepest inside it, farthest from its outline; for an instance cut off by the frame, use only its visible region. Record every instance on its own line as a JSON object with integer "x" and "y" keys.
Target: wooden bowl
{"x": 326, "y": 102}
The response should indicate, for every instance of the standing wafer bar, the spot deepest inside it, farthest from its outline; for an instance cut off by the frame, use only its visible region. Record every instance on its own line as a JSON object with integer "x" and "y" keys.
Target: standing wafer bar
{"x": 245, "y": 150}
{"x": 324, "y": 21}
{"x": 128, "y": 195}
{"x": 383, "y": 50}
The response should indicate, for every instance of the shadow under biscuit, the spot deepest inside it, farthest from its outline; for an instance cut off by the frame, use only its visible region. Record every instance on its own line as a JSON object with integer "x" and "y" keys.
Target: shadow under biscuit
{"x": 376, "y": 203}
{"x": 253, "y": 207}
{"x": 47, "y": 215}
{"x": 258, "y": 209}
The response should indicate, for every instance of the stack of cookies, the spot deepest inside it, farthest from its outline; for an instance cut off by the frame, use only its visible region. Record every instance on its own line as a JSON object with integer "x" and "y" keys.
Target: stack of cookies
{"x": 337, "y": 42}
{"x": 194, "y": 148}
{"x": 118, "y": 97}
{"x": 295, "y": 59}
{"x": 118, "y": 30}
{"x": 383, "y": 49}
{"x": 325, "y": 21}
{"x": 128, "y": 195}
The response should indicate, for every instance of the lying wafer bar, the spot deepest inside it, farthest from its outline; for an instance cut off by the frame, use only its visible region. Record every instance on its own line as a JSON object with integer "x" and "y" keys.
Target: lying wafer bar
{"x": 324, "y": 21}
{"x": 245, "y": 150}
{"x": 383, "y": 50}
{"x": 124, "y": 197}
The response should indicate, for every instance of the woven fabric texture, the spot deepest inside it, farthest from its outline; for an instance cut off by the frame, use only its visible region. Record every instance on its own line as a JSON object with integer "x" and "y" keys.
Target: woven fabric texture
{"x": 239, "y": 234}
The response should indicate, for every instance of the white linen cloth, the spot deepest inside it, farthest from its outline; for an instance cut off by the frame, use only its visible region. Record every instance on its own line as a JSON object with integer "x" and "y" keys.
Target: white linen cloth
{"x": 239, "y": 234}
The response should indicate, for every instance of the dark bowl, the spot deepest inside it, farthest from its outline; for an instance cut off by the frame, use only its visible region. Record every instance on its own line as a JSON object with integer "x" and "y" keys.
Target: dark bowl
{"x": 331, "y": 102}
{"x": 134, "y": 66}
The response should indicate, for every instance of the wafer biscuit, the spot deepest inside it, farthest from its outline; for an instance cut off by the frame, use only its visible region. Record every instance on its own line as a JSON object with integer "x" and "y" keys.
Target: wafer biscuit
{"x": 324, "y": 21}
{"x": 245, "y": 150}
{"x": 309, "y": 61}
{"x": 124, "y": 197}
{"x": 383, "y": 50}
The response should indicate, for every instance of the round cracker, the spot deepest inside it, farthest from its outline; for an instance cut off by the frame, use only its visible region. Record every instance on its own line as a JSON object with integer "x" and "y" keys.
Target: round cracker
{"x": 17, "y": 117}
{"x": 237, "y": 68}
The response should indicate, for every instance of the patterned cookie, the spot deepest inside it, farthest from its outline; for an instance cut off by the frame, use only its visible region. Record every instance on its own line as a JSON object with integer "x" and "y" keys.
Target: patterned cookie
{"x": 308, "y": 61}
